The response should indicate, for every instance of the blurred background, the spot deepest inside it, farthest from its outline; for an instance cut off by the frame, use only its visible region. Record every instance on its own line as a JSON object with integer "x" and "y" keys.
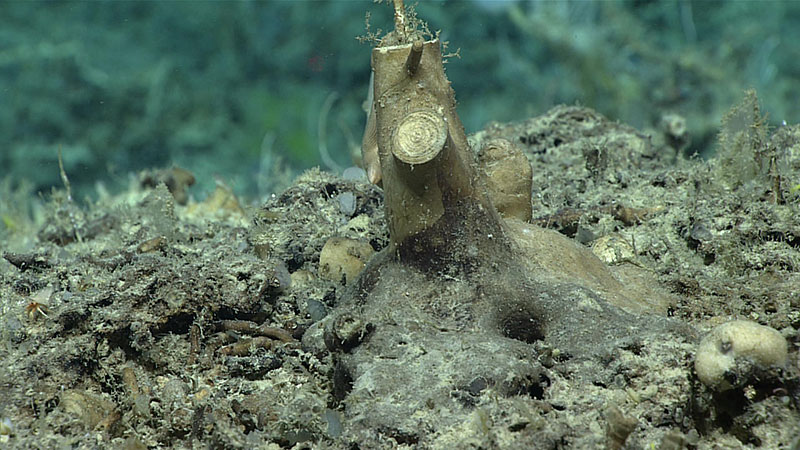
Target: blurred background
{"x": 253, "y": 92}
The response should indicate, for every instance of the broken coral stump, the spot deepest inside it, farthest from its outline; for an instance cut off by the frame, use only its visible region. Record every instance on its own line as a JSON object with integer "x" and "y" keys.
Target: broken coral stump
{"x": 436, "y": 205}
{"x": 457, "y": 311}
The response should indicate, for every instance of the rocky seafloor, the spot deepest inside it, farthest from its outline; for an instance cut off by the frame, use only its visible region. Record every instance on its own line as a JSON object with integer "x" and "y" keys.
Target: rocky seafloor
{"x": 151, "y": 319}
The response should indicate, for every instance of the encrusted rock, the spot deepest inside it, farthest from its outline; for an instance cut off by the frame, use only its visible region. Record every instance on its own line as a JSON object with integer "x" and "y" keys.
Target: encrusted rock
{"x": 732, "y": 352}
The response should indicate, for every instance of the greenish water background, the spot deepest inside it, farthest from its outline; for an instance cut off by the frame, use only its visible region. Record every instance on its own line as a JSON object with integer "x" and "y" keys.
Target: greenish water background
{"x": 238, "y": 90}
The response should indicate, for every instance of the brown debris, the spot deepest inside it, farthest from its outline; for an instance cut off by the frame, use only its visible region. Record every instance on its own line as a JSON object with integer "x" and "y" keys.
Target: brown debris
{"x": 245, "y": 346}
{"x": 26, "y": 261}
{"x": 247, "y": 327}
{"x": 176, "y": 179}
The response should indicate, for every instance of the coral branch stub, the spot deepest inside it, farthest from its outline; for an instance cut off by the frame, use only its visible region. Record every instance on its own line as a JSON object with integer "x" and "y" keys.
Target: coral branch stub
{"x": 419, "y": 137}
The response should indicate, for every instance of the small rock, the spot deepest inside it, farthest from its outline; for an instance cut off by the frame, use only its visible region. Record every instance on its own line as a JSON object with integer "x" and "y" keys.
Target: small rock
{"x": 347, "y": 203}
{"x": 342, "y": 259}
{"x": 719, "y": 353}
{"x": 508, "y": 178}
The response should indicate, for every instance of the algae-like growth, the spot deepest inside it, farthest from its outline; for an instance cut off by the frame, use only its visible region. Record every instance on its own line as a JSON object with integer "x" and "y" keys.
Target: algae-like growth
{"x": 463, "y": 304}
